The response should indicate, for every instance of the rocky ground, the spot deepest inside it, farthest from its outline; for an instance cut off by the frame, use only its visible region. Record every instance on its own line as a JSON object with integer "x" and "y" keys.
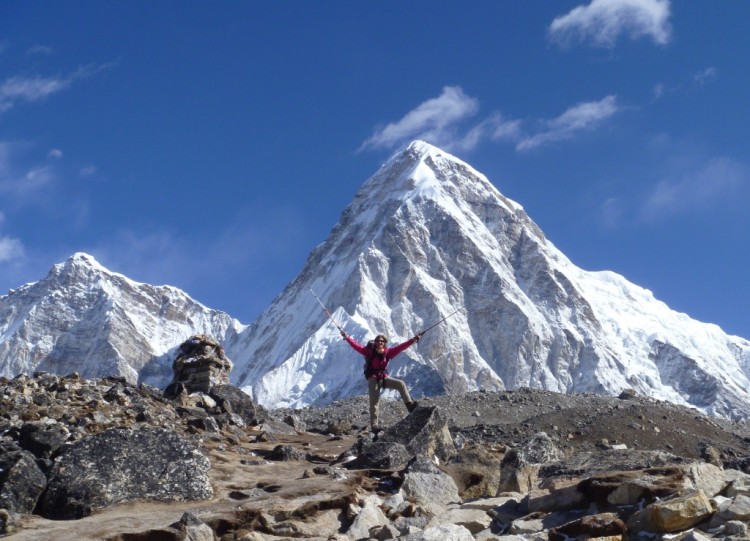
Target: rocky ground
{"x": 578, "y": 422}
{"x": 290, "y": 463}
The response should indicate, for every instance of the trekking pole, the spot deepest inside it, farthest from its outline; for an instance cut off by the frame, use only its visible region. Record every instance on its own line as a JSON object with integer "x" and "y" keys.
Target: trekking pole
{"x": 439, "y": 322}
{"x": 326, "y": 310}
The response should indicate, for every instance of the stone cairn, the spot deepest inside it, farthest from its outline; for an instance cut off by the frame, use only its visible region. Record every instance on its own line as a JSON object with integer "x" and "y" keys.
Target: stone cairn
{"x": 199, "y": 365}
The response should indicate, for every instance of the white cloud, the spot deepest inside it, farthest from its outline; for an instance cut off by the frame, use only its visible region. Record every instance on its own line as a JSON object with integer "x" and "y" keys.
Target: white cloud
{"x": 432, "y": 120}
{"x": 713, "y": 183}
{"x": 442, "y": 122}
{"x": 583, "y": 116}
{"x": 55, "y": 153}
{"x": 11, "y": 249}
{"x": 24, "y": 89}
{"x": 604, "y": 21}
{"x": 18, "y": 89}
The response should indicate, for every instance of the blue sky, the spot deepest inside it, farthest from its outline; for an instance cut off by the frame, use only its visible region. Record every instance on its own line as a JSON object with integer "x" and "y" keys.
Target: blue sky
{"x": 212, "y": 145}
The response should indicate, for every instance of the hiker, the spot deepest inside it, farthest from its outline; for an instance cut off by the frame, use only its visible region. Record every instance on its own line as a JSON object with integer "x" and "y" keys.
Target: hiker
{"x": 377, "y": 356}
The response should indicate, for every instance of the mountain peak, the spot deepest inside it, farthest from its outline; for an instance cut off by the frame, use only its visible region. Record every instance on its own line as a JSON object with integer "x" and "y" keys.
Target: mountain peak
{"x": 82, "y": 258}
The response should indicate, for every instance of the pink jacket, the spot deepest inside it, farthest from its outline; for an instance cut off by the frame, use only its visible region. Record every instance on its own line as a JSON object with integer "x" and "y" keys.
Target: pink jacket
{"x": 378, "y": 364}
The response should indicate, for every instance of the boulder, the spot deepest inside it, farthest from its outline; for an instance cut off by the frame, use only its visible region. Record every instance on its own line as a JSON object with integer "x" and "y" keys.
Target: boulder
{"x": 521, "y": 465}
{"x": 369, "y": 516}
{"x": 591, "y": 526}
{"x": 232, "y": 399}
{"x": 379, "y": 455}
{"x": 21, "y": 480}
{"x": 426, "y": 484}
{"x": 476, "y": 472}
{"x": 423, "y": 432}
{"x": 42, "y": 439}
{"x": 120, "y": 465}
{"x": 672, "y": 514}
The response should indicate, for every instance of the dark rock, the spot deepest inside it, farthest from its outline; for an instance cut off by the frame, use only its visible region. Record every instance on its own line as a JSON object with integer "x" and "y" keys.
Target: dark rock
{"x": 285, "y": 453}
{"x": 21, "y": 480}
{"x": 592, "y": 526}
{"x": 42, "y": 440}
{"x": 122, "y": 465}
{"x": 380, "y": 455}
{"x": 207, "y": 424}
{"x": 232, "y": 399}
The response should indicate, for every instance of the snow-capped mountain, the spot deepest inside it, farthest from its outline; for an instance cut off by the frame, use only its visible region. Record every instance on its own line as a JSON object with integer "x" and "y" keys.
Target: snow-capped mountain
{"x": 428, "y": 234}
{"x": 83, "y": 318}
{"x": 425, "y": 236}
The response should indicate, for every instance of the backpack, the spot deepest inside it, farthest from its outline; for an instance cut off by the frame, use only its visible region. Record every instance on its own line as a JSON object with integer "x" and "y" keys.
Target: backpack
{"x": 374, "y": 363}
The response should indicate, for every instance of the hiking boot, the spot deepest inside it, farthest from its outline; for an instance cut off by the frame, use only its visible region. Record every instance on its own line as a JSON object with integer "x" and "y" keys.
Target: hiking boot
{"x": 411, "y": 406}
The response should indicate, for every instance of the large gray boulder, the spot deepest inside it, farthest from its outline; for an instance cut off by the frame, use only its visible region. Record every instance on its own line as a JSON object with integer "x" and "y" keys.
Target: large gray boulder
{"x": 424, "y": 432}
{"x": 120, "y": 465}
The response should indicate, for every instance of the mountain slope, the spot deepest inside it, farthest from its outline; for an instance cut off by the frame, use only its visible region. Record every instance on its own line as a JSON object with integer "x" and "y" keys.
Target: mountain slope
{"x": 428, "y": 234}
{"x": 83, "y": 318}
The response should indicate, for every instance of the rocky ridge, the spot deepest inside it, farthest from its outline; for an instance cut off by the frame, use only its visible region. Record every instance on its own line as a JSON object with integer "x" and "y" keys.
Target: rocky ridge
{"x": 104, "y": 459}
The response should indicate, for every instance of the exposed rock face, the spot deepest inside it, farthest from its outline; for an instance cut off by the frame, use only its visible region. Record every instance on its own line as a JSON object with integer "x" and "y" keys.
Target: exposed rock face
{"x": 121, "y": 465}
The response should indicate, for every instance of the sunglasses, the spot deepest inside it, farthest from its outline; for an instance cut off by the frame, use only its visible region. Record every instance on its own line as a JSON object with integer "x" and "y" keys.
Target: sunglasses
{"x": 380, "y": 341}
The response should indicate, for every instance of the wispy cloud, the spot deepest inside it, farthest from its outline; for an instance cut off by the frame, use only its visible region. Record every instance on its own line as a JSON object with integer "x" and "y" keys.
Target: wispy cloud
{"x": 703, "y": 187}
{"x": 15, "y": 90}
{"x": 583, "y": 116}
{"x": 39, "y": 49}
{"x": 445, "y": 122}
{"x": 25, "y": 89}
{"x": 433, "y": 120}
{"x": 602, "y": 22}
{"x": 18, "y": 182}
{"x": 25, "y": 185}
{"x": 706, "y": 76}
